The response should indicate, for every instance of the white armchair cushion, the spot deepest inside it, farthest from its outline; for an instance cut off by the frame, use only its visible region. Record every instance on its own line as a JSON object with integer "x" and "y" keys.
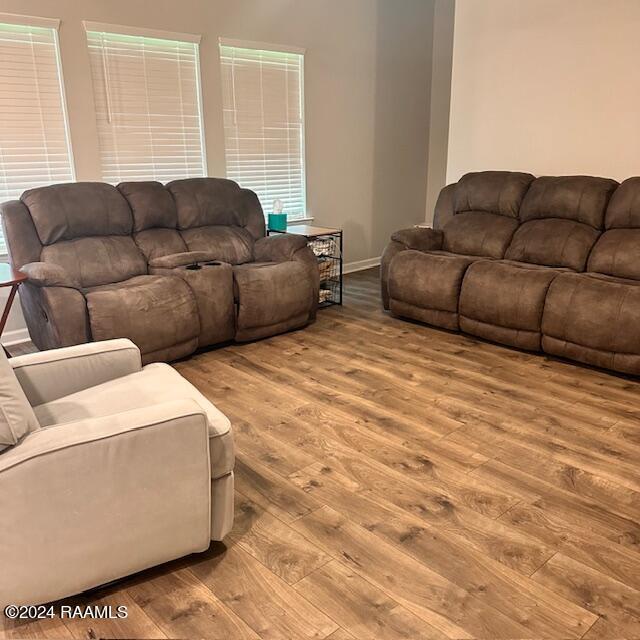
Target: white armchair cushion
{"x": 155, "y": 383}
{"x": 17, "y": 418}
{"x": 49, "y": 375}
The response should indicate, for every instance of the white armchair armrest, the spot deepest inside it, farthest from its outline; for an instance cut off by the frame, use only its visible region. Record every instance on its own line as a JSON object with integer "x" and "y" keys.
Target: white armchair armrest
{"x": 94, "y": 500}
{"x": 50, "y": 375}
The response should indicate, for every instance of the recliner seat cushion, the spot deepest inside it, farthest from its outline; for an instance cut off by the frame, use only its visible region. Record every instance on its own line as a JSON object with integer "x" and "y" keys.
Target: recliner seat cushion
{"x": 271, "y": 298}
{"x": 158, "y": 313}
{"x": 594, "y": 319}
{"x": 156, "y": 383}
{"x": 504, "y": 300}
{"x": 426, "y": 286}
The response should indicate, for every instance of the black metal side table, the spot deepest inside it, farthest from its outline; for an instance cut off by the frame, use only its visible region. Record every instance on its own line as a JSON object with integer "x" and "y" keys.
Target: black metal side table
{"x": 326, "y": 244}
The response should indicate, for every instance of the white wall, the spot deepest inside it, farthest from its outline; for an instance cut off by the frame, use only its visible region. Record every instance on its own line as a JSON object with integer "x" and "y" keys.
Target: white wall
{"x": 546, "y": 86}
{"x": 367, "y": 83}
{"x": 443, "y": 25}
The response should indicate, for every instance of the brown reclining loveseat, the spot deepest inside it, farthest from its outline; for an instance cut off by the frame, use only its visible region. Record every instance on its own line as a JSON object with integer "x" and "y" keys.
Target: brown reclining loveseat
{"x": 172, "y": 267}
{"x": 545, "y": 264}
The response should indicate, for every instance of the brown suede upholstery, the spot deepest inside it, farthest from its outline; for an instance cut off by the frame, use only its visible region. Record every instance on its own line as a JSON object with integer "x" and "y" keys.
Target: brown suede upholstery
{"x": 561, "y": 221}
{"x": 155, "y": 264}
{"x": 538, "y": 297}
{"x": 271, "y": 298}
{"x": 478, "y": 217}
{"x": 154, "y": 312}
{"x": 502, "y": 300}
{"x": 428, "y": 282}
{"x": 595, "y": 317}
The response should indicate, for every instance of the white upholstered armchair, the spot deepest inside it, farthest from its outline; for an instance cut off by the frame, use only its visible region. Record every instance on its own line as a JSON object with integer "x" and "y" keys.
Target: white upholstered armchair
{"x": 106, "y": 468}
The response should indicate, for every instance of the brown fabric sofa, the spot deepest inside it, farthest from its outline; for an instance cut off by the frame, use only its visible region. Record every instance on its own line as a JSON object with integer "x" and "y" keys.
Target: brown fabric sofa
{"x": 563, "y": 278}
{"x": 172, "y": 268}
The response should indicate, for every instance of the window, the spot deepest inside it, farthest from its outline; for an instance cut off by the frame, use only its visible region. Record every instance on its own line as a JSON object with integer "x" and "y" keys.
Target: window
{"x": 148, "y": 109}
{"x": 263, "y": 98}
{"x": 34, "y": 141}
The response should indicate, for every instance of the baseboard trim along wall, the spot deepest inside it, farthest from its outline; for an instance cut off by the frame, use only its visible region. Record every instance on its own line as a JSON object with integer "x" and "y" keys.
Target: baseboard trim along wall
{"x": 361, "y": 265}
{"x": 16, "y": 336}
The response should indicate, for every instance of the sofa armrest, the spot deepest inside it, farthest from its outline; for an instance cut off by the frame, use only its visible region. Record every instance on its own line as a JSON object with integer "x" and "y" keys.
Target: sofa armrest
{"x": 419, "y": 238}
{"x": 101, "y": 498}
{"x": 180, "y": 259}
{"x": 279, "y": 248}
{"x": 53, "y": 374}
{"x": 46, "y": 274}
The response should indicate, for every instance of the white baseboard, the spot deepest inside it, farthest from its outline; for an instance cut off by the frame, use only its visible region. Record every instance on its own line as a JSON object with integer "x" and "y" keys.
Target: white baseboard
{"x": 15, "y": 337}
{"x": 361, "y": 265}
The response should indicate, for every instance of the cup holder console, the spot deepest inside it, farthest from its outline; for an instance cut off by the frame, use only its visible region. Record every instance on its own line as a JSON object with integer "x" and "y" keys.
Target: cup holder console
{"x": 196, "y": 266}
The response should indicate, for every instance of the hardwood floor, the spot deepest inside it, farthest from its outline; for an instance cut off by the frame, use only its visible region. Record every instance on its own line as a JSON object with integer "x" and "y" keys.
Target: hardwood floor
{"x": 397, "y": 481}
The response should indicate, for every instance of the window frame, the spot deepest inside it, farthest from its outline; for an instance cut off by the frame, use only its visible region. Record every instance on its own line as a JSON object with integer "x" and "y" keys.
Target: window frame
{"x": 54, "y": 25}
{"x": 277, "y": 48}
{"x": 128, "y": 30}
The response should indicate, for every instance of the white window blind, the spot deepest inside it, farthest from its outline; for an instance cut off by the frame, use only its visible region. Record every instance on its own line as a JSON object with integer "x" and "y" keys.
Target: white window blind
{"x": 34, "y": 142}
{"x": 263, "y": 98}
{"x": 147, "y": 97}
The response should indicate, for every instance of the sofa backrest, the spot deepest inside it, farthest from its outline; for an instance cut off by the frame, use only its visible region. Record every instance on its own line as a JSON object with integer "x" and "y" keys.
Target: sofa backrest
{"x": 617, "y": 251}
{"x": 561, "y": 220}
{"x": 85, "y": 227}
{"x": 485, "y": 208}
{"x": 155, "y": 218}
{"x": 217, "y": 216}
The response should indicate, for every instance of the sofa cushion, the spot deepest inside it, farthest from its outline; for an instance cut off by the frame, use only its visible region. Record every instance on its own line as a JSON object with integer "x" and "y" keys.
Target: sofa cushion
{"x": 617, "y": 253}
{"x": 97, "y": 260}
{"x": 428, "y": 280}
{"x": 595, "y": 319}
{"x": 226, "y": 244}
{"x": 78, "y": 210}
{"x": 17, "y": 418}
{"x": 497, "y": 192}
{"x": 155, "y": 312}
{"x": 580, "y": 198}
{"x": 152, "y": 205}
{"x": 271, "y": 295}
{"x": 156, "y": 383}
{"x": 504, "y": 300}
{"x": 623, "y": 211}
{"x": 480, "y": 234}
{"x": 155, "y": 243}
{"x": 553, "y": 242}
{"x": 216, "y": 201}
